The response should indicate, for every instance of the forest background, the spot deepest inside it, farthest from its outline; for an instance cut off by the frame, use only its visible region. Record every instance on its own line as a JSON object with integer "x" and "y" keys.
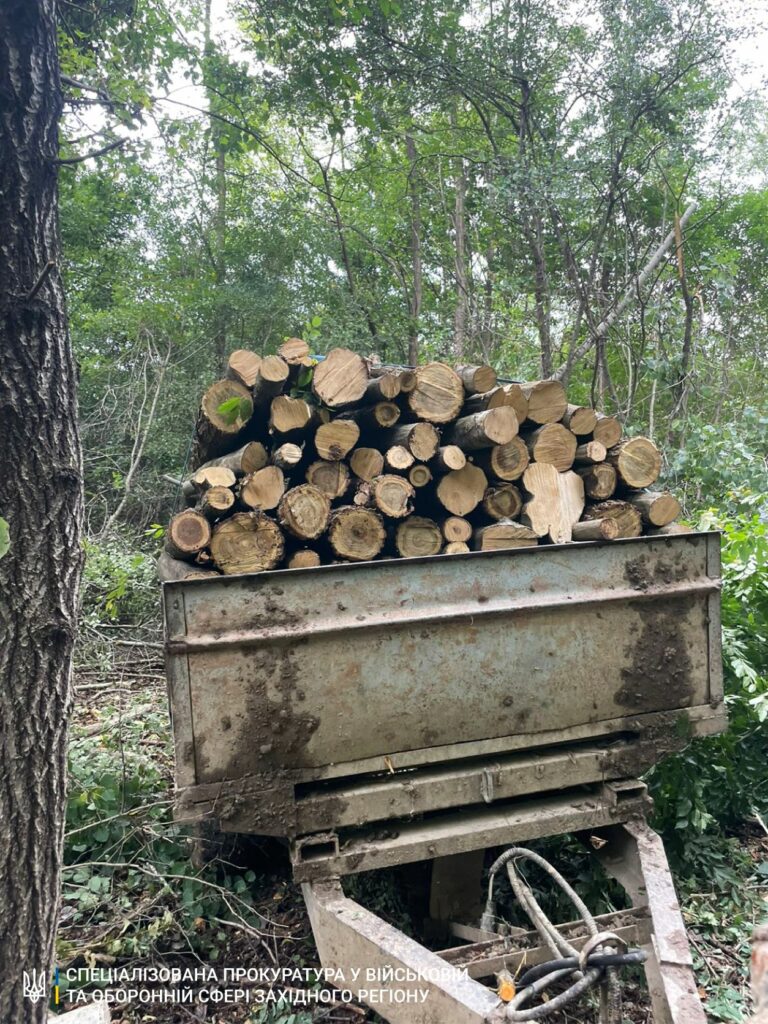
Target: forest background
{"x": 468, "y": 180}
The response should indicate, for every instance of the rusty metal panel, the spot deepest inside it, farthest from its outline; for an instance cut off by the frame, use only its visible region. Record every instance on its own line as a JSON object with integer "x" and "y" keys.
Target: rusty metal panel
{"x": 302, "y": 669}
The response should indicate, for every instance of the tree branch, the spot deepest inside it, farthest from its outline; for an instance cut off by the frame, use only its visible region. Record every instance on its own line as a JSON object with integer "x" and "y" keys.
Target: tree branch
{"x": 94, "y": 153}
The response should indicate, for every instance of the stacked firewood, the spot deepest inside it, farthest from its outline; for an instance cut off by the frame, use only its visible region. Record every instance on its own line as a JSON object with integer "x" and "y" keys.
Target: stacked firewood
{"x": 298, "y": 462}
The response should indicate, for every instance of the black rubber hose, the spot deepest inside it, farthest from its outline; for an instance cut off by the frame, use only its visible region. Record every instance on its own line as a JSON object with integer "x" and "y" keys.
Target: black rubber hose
{"x": 632, "y": 956}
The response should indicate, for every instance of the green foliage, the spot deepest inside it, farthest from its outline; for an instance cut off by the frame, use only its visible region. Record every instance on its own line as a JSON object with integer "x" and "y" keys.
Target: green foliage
{"x": 5, "y": 537}
{"x": 119, "y": 583}
{"x": 236, "y": 410}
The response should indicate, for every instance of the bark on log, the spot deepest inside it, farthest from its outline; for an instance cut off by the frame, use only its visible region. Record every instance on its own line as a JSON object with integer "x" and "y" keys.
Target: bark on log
{"x": 332, "y": 478}
{"x": 547, "y": 401}
{"x": 505, "y": 534}
{"x": 455, "y": 528}
{"x": 306, "y": 558}
{"x": 248, "y": 459}
{"x": 205, "y": 477}
{"x": 367, "y": 463}
{"x": 461, "y": 491}
{"x": 477, "y": 379}
{"x": 287, "y": 456}
{"x": 502, "y": 502}
{"x": 553, "y": 444}
{"x": 270, "y": 380}
{"x": 215, "y": 432}
{"x": 657, "y": 508}
{"x": 247, "y": 542}
{"x": 398, "y": 458}
{"x": 670, "y": 530}
{"x": 456, "y": 547}
{"x": 589, "y": 453}
{"x": 449, "y": 457}
{"x": 637, "y": 462}
{"x": 421, "y": 439}
{"x": 484, "y": 429}
{"x": 438, "y": 395}
{"x": 384, "y": 388}
{"x": 607, "y": 430}
{"x": 627, "y": 518}
{"x": 580, "y": 419}
{"x": 375, "y": 417}
{"x": 216, "y": 502}
{"x": 336, "y": 439}
{"x": 505, "y": 461}
{"x": 419, "y": 475}
{"x": 487, "y": 400}
{"x": 243, "y": 366}
{"x": 304, "y": 512}
{"x": 295, "y": 352}
{"x": 356, "y": 534}
{"x": 599, "y": 480}
{"x": 417, "y": 536}
{"x": 188, "y": 532}
{"x": 170, "y": 569}
{"x": 556, "y": 501}
{"x": 263, "y": 489}
{"x": 596, "y": 529}
{"x": 340, "y": 379}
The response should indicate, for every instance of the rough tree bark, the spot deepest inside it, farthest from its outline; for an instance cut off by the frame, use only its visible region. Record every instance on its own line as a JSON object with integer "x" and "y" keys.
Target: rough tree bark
{"x": 40, "y": 497}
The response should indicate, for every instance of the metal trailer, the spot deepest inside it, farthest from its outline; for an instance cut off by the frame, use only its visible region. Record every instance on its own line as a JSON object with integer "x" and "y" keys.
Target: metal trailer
{"x": 428, "y": 709}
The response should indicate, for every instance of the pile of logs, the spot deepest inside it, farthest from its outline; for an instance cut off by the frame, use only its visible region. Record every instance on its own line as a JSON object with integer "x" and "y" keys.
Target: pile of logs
{"x": 297, "y": 462}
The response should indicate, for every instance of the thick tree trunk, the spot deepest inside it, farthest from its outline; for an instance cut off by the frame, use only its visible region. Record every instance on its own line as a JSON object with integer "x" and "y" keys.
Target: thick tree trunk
{"x": 41, "y": 498}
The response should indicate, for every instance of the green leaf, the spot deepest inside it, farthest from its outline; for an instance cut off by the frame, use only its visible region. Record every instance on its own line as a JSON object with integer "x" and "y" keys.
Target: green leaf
{"x": 236, "y": 409}
{"x": 5, "y": 537}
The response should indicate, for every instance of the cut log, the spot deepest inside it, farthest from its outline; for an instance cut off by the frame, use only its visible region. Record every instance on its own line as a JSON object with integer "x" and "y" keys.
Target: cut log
{"x": 340, "y": 379}
{"x": 383, "y": 388}
{"x": 580, "y": 419}
{"x": 295, "y": 352}
{"x": 398, "y": 458}
{"x": 247, "y": 542}
{"x": 438, "y": 395}
{"x": 589, "y": 453}
{"x": 477, "y": 379}
{"x": 270, "y": 380}
{"x": 419, "y": 475}
{"x": 188, "y": 532}
{"x": 456, "y": 529}
{"x": 205, "y": 477}
{"x": 484, "y": 429}
{"x": 455, "y": 547}
{"x": 332, "y": 478}
{"x": 607, "y": 430}
{"x": 417, "y": 536}
{"x": 306, "y": 558}
{"x": 554, "y": 444}
{"x": 216, "y": 502}
{"x": 547, "y": 401}
{"x": 170, "y": 569}
{"x": 243, "y": 366}
{"x": 336, "y": 439}
{"x": 502, "y": 502}
{"x": 515, "y": 396}
{"x": 448, "y": 458}
{"x": 295, "y": 416}
{"x": 367, "y": 463}
{"x": 627, "y": 518}
{"x": 392, "y": 495}
{"x": 487, "y": 400}
{"x": 505, "y": 461}
{"x": 462, "y": 490}
{"x": 505, "y": 534}
{"x": 263, "y": 489}
{"x": 408, "y": 381}
{"x": 596, "y": 529}
{"x": 556, "y": 501}
{"x": 421, "y": 439}
{"x": 248, "y": 459}
{"x": 375, "y": 417}
{"x": 599, "y": 480}
{"x": 287, "y": 456}
{"x": 670, "y": 530}
{"x": 216, "y": 432}
{"x": 656, "y": 508}
{"x": 637, "y": 462}
{"x": 304, "y": 512}
{"x": 356, "y": 534}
